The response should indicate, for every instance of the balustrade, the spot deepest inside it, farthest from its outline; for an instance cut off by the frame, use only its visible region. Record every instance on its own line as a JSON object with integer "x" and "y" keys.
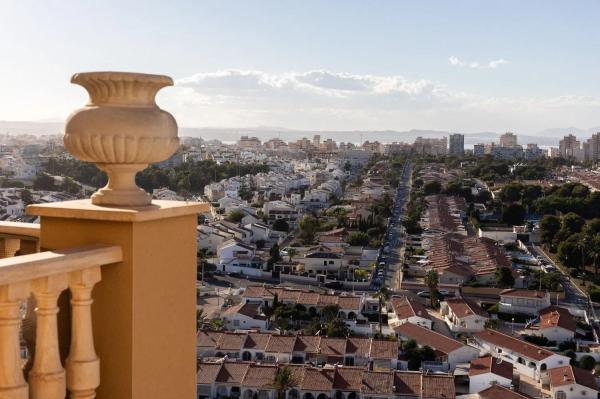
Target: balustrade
{"x": 46, "y": 275}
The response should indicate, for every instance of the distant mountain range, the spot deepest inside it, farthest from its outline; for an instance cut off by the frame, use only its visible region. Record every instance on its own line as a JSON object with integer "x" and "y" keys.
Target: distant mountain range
{"x": 547, "y": 137}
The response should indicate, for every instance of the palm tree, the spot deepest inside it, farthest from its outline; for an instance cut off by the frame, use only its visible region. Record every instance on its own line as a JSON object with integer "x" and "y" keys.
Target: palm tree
{"x": 291, "y": 252}
{"x": 583, "y": 245}
{"x": 283, "y": 381}
{"x": 431, "y": 281}
{"x": 383, "y": 295}
{"x": 595, "y": 252}
{"x": 201, "y": 319}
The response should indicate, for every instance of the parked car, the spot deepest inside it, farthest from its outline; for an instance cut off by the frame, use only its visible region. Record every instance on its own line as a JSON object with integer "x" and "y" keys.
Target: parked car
{"x": 334, "y": 285}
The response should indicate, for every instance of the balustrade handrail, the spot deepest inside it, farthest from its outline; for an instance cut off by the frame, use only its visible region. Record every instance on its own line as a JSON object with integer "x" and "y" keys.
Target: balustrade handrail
{"x": 48, "y": 263}
{"x": 20, "y": 229}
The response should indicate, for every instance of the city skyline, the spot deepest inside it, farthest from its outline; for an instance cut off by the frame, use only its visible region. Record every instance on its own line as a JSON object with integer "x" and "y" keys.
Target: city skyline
{"x": 461, "y": 67}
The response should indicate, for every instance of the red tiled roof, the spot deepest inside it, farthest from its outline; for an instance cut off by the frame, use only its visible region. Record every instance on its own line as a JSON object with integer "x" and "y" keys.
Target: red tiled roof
{"x": 568, "y": 375}
{"x": 232, "y": 373}
{"x": 524, "y": 293}
{"x": 514, "y": 344}
{"x": 257, "y": 341}
{"x": 405, "y": 308}
{"x": 497, "y": 391}
{"x": 348, "y": 379}
{"x": 383, "y": 349}
{"x": 317, "y": 379}
{"x": 358, "y": 346}
{"x": 426, "y": 337}
{"x": 231, "y": 341}
{"x": 207, "y": 373}
{"x": 307, "y": 343}
{"x": 333, "y": 346}
{"x": 378, "y": 383}
{"x": 281, "y": 344}
{"x": 259, "y": 376}
{"x": 489, "y": 364}
{"x": 554, "y": 316}
{"x": 463, "y": 307}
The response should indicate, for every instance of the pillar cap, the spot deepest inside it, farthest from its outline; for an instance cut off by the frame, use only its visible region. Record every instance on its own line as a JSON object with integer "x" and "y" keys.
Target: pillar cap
{"x": 84, "y": 209}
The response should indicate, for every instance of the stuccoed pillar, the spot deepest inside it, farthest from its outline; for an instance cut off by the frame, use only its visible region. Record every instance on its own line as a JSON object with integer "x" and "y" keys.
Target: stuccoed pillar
{"x": 144, "y": 308}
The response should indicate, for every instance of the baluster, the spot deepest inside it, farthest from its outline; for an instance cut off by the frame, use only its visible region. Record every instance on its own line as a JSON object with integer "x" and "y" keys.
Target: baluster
{"x": 29, "y": 247}
{"x": 12, "y": 383}
{"x": 9, "y": 246}
{"x": 83, "y": 366}
{"x": 47, "y": 376}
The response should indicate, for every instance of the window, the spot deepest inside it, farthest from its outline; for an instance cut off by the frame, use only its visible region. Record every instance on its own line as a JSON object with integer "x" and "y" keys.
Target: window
{"x": 560, "y": 395}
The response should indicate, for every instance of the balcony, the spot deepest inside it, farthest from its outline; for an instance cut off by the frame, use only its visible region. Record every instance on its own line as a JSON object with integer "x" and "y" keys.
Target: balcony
{"x": 99, "y": 299}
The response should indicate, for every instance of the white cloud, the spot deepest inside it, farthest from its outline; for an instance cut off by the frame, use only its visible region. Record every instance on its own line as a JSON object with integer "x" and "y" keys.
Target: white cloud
{"x": 455, "y": 61}
{"x": 327, "y": 100}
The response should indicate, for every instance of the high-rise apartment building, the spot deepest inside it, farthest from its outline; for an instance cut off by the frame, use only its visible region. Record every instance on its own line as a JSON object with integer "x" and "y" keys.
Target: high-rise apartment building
{"x": 427, "y": 146}
{"x": 569, "y": 147}
{"x": 479, "y": 150}
{"x": 317, "y": 141}
{"x": 508, "y": 140}
{"x": 457, "y": 145}
{"x": 591, "y": 148}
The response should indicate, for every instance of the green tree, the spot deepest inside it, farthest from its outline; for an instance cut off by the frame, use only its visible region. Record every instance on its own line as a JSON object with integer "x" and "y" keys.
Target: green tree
{"x": 284, "y": 380}
{"x": 511, "y": 192}
{"x": 291, "y": 252}
{"x": 383, "y": 295}
{"x": 330, "y": 312}
{"x": 275, "y": 253}
{"x": 26, "y": 196}
{"x": 281, "y": 225}
{"x": 431, "y": 281}
{"x": 504, "y": 277}
{"x": 337, "y": 328}
{"x": 358, "y": 238}
{"x": 572, "y": 223}
{"x": 44, "y": 181}
{"x": 587, "y": 362}
{"x": 432, "y": 187}
{"x": 235, "y": 216}
{"x": 513, "y": 214}
{"x": 549, "y": 226}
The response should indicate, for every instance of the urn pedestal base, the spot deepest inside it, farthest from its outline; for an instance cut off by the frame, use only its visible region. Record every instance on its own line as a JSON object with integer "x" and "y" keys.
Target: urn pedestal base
{"x": 121, "y": 188}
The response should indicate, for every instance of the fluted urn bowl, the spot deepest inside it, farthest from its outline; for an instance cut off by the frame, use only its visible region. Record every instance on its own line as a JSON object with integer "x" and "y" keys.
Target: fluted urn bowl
{"x": 122, "y": 130}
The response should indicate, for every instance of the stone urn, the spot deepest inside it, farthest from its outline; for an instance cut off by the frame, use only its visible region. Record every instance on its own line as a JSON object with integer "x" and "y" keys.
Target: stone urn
{"x": 121, "y": 130}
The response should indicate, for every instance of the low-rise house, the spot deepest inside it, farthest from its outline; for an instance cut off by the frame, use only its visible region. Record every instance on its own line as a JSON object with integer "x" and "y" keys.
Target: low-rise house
{"x": 323, "y": 260}
{"x": 449, "y": 351}
{"x": 236, "y": 256}
{"x": 523, "y": 301}
{"x": 405, "y": 310}
{"x": 487, "y": 371}
{"x": 570, "y": 382}
{"x": 244, "y": 316}
{"x": 276, "y": 210}
{"x": 247, "y": 380}
{"x": 527, "y": 358}
{"x": 298, "y": 349}
{"x": 557, "y": 324}
{"x": 499, "y": 392}
{"x": 462, "y": 315}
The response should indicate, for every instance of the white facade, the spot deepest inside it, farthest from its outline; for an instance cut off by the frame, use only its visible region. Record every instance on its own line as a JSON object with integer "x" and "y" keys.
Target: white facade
{"x": 478, "y": 383}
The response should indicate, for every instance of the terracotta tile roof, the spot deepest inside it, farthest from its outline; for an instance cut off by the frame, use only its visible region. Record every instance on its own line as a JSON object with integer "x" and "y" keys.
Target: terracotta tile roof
{"x": 333, "y": 346}
{"x": 378, "y": 383}
{"x": 317, "y": 379}
{"x": 281, "y": 344}
{"x": 407, "y": 383}
{"x": 568, "y": 375}
{"x": 349, "y": 303}
{"x": 231, "y": 341}
{"x": 251, "y": 310}
{"x": 515, "y": 292}
{"x": 232, "y": 373}
{"x": 438, "y": 386}
{"x": 489, "y": 364}
{"x": 307, "y": 344}
{"x": 208, "y": 339}
{"x": 260, "y": 376}
{"x": 426, "y": 337}
{"x": 554, "y": 316}
{"x": 514, "y": 344}
{"x": 256, "y": 341}
{"x": 463, "y": 307}
{"x": 405, "y": 308}
{"x": 309, "y": 298}
{"x": 499, "y": 392}
{"x": 358, "y": 346}
{"x": 207, "y": 373}
{"x": 348, "y": 379}
{"x": 325, "y": 300}
{"x": 383, "y": 349}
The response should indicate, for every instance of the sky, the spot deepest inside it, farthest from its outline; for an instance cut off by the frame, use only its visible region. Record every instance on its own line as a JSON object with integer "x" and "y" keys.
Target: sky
{"x": 466, "y": 66}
